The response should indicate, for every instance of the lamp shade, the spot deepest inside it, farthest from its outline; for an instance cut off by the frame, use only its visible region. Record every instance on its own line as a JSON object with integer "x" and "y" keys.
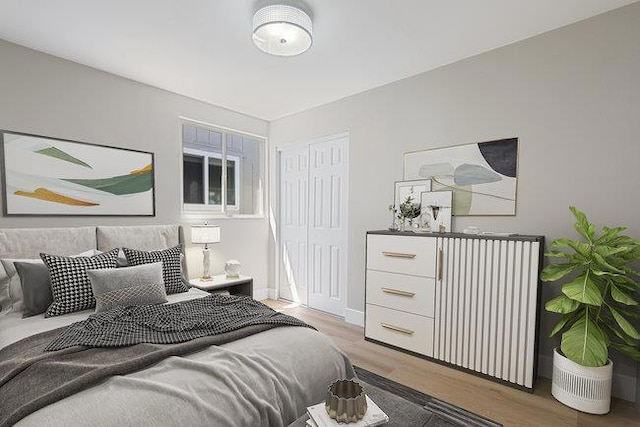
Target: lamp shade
{"x": 205, "y": 234}
{"x": 282, "y": 30}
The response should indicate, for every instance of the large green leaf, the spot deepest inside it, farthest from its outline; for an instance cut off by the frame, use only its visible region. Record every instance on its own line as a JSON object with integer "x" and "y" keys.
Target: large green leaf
{"x": 608, "y": 234}
{"x": 624, "y": 324}
{"x": 554, "y": 272}
{"x": 582, "y": 225}
{"x": 585, "y": 343}
{"x": 562, "y": 304}
{"x": 561, "y": 243}
{"x": 557, "y": 254}
{"x": 614, "y": 331}
{"x": 583, "y": 289}
{"x": 562, "y": 323}
{"x": 630, "y": 351}
{"x": 621, "y": 297}
{"x": 582, "y": 248}
{"x": 606, "y": 265}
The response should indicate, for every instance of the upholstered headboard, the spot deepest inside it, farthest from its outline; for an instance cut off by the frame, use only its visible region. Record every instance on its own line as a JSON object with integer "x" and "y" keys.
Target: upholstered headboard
{"x": 29, "y": 242}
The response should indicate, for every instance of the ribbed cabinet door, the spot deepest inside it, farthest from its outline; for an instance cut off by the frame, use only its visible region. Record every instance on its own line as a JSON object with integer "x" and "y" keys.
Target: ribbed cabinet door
{"x": 485, "y": 306}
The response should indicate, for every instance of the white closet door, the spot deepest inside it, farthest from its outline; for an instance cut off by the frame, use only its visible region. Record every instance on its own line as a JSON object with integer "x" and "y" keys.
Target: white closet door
{"x": 294, "y": 202}
{"x": 328, "y": 187}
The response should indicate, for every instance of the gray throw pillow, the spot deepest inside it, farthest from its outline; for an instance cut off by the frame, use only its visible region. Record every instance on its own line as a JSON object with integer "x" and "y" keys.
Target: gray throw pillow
{"x": 124, "y": 286}
{"x": 36, "y": 287}
{"x": 171, "y": 265}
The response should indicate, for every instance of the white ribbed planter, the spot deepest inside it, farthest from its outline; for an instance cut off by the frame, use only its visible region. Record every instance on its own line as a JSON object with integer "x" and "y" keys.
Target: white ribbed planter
{"x": 580, "y": 387}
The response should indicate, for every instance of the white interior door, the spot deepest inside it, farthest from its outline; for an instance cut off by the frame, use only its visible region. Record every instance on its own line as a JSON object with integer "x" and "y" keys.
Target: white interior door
{"x": 313, "y": 225}
{"x": 328, "y": 187}
{"x": 294, "y": 215}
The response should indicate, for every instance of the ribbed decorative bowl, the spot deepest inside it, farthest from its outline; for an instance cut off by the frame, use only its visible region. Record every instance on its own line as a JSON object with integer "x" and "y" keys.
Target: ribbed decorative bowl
{"x": 346, "y": 401}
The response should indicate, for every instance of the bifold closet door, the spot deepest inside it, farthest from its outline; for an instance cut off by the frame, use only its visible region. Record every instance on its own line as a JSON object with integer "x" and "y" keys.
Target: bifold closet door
{"x": 294, "y": 216}
{"x": 328, "y": 175}
{"x": 313, "y": 223}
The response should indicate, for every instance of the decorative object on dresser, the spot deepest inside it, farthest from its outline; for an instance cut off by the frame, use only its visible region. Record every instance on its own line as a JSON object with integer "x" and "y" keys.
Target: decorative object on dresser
{"x": 470, "y": 302}
{"x": 205, "y": 235}
{"x": 436, "y": 210}
{"x": 596, "y": 306}
{"x": 50, "y": 176}
{"x": 482, "y": 176}
{"x": 406, "y": 205}
{"x": 241, "y": 285}
{"x": 232, "y": 268}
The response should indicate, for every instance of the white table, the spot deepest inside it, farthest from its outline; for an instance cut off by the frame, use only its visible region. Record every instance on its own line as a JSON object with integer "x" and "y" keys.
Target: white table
{"x": 240, "y": 285}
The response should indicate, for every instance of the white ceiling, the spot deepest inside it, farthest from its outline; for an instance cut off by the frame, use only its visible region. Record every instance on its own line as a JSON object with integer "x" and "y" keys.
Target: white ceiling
{"x": 203, "y": 48}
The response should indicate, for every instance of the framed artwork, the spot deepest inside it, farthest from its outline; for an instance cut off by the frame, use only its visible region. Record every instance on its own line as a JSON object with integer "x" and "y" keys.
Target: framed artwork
{"x": 411, "y": 189}
{"x": 435, "y": 208}
{"x": 483, "y": 176}
{"x": 48, "y": 176}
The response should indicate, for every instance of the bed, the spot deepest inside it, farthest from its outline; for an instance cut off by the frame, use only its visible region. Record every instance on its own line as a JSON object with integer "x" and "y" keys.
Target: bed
{"x": 268, "y": 378}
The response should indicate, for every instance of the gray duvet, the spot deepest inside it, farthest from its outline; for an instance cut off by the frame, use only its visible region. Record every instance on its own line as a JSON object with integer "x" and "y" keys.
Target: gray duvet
{"x": 267, "y": 379}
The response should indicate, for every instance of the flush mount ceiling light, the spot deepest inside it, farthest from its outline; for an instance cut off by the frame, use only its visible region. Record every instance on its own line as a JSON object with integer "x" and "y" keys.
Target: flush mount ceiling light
{"x": 282, "y": 30}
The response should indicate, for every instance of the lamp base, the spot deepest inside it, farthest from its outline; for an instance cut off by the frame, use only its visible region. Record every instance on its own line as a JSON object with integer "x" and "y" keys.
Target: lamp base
{"x": 206, "y": 278}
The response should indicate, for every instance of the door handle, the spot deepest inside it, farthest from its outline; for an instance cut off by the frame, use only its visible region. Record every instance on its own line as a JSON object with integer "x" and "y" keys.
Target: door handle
{"x": 398, "y": 255}
{"x": 398, "y": 292}
{"x": 439, "y": 261}
{"x": 397, "y": 328}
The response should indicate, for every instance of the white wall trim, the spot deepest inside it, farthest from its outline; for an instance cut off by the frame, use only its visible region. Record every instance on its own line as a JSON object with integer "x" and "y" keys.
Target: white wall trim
{"x": 354, "y": 317}
{"x": 623, "y": 386}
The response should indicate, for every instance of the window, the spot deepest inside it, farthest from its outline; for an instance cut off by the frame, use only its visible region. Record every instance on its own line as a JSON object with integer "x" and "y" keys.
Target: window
{"x": 222, "y": 171}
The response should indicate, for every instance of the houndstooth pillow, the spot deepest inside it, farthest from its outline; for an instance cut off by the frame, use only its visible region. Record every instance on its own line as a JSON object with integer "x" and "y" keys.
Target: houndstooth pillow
{"x": 70, "y": 284}
{"x": 171, "y": 265}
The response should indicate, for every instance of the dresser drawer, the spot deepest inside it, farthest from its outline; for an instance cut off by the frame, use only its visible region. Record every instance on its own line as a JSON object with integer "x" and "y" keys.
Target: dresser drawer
{"x": 414, "y": 294}
{"x": 405, "y": 330}
{"x": 402, "y": 254}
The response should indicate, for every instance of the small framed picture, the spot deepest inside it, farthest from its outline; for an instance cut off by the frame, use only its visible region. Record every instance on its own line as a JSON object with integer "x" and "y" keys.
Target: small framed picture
{"x": 435, "y": 207}
{"x": 412, "y": 189}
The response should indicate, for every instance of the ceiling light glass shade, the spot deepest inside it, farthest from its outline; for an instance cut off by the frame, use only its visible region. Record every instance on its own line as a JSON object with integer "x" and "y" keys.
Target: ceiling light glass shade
{"x": 282, "y": 30}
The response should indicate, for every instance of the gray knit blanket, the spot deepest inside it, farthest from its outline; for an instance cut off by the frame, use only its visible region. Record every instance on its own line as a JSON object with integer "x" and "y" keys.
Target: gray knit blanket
{"x": 170, "y": 323}
{"x": 118, "y": 342}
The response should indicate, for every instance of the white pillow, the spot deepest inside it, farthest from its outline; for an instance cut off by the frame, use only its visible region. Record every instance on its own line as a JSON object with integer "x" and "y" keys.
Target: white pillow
{"x": 11, "y": 289}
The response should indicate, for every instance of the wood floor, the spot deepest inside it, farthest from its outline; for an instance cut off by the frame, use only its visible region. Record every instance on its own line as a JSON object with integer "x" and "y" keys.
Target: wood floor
{"x": 504, "y": 404}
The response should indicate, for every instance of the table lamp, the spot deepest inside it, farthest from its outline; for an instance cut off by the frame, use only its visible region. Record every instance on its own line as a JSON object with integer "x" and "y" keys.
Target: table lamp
{"x": 204, "y": 235}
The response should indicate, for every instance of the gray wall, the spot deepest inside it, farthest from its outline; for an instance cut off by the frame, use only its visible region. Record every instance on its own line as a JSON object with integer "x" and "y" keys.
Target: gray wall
{"x": 45, "y": 95}
{"x": 572, "y": 96}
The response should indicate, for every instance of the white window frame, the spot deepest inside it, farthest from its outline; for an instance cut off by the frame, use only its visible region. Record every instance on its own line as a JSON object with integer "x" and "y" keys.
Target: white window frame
{"x": 199, "y": 211}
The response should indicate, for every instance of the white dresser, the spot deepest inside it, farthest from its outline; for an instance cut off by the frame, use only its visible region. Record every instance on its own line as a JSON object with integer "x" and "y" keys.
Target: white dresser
{"x": 466, "y": 301}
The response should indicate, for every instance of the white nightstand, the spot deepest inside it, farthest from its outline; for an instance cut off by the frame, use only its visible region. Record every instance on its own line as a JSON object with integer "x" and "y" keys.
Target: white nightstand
{"x": 241, "y": 285}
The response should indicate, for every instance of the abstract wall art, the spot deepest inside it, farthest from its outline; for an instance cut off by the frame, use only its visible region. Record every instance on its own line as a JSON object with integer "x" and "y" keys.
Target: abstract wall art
{"x": 48, "y": 176}
{"x": 483, "y": 176}
{"x": 435, "y": 207}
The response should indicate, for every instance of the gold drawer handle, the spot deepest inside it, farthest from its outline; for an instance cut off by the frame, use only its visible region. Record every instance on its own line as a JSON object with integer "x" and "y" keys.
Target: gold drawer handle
{"x": 398, "y": 292}
{"x": 398, "y": 255}
{"x": 397, "y": 328}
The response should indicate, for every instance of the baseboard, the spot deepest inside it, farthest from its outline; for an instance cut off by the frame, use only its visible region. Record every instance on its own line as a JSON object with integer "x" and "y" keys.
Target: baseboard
{"x": 622, "y": 386}
{"x": 354, "y": 316}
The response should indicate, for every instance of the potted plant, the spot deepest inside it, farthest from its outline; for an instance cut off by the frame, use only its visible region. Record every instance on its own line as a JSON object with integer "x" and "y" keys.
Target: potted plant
{"x": 599, "y": 297}
{"x": 408, "y": 210}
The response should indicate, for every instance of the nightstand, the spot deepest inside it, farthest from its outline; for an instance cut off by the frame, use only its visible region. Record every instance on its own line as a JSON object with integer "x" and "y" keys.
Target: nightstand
{"x": 241, "y": 285}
